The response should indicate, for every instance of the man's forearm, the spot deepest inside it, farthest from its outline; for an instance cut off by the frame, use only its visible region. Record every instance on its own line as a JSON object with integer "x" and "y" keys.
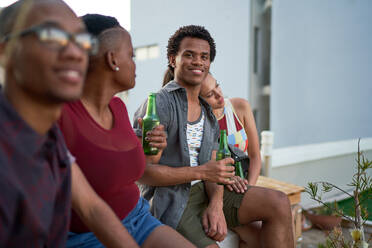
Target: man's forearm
{"x": 215, "y": 193}
{"x": 162, "y": 175}
{"x": 212, "y": 171}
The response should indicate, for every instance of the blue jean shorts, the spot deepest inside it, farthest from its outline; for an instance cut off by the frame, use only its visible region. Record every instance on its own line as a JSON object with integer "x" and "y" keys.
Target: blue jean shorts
{"x": 139, "y": 223}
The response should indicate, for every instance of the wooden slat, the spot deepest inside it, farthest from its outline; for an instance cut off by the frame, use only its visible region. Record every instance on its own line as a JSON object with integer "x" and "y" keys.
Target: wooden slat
{"x": 293, "y": 191}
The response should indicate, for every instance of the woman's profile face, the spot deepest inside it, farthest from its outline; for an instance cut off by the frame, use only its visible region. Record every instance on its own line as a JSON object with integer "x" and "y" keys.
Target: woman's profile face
{"x": 126, "y": 64}
{"x": 212, "y": 93}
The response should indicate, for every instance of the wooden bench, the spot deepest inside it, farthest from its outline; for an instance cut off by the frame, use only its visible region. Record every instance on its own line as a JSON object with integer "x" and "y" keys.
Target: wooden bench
{"x": 294, "y": 194}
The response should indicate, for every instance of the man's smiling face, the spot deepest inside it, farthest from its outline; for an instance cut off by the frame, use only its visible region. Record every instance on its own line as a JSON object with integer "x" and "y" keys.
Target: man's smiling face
{"x": 191, "y": 64}
{"x": 41, "y": 71}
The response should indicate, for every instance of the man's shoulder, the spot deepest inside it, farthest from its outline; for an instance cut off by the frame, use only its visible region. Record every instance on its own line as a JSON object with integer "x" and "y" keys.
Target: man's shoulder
{"x": 164, "y": 97}
{"x": 167, "y": 90}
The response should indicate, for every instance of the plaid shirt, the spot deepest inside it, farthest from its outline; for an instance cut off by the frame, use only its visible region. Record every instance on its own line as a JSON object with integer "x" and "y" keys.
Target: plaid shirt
{"x": 35, "y": 183}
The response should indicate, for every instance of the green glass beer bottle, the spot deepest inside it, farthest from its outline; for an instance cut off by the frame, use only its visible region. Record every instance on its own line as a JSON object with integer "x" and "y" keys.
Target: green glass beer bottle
{"x": 238, "y": 169}
{"x": 149, "y": 121}
{"x": 223, "y": 150}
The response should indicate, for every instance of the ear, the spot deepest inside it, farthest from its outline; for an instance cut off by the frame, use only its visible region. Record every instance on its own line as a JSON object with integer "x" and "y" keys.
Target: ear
{"x": 111, "y": 60}
{"x": 172, "y": 61}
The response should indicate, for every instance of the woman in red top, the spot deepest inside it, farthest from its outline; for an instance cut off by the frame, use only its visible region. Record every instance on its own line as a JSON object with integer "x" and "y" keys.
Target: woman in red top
{"x": 242, "y": 119}
{"x": 98, "y": 133}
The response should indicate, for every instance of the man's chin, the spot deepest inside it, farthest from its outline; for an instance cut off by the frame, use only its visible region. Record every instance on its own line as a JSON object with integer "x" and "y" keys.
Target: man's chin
{"x": 65, "y": 98}
{"x": 195, "y": 82}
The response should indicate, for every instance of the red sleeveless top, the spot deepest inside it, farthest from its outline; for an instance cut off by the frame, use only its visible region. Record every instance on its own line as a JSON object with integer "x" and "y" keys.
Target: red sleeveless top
{"x": 236, "y": 134}
{"x": 223, "y": 124}
{"x": 111, "y": 160}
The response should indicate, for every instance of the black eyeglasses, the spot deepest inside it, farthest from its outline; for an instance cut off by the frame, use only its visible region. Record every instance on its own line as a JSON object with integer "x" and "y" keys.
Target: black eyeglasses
{"x": 57, "y": 38}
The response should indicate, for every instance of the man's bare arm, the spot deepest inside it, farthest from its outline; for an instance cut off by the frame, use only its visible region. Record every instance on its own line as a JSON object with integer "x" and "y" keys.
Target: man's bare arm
{"x": 96, "y": 214}
{"x": 213, "y": 171}
{"x": 213, "y": 218}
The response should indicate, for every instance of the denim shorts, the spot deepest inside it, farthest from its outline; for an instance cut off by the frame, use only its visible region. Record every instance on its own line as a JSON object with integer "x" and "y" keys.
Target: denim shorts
{"x": 139, "y": 223}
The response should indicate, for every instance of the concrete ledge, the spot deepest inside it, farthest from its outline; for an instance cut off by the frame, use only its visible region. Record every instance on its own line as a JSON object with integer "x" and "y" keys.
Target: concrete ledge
{"x": 231, "y": 240}
{"x": 298, "y": 154}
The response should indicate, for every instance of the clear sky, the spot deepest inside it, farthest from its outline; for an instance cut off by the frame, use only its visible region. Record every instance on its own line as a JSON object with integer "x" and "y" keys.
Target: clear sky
{"x": 117, "y": 8}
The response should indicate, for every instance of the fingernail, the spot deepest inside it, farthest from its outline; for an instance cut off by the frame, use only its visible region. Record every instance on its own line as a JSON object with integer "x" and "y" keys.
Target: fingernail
{"x": 147, "y": 139}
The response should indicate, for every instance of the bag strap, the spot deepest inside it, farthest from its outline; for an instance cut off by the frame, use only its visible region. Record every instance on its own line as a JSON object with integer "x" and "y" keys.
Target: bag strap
{"x": 237, "y": 154}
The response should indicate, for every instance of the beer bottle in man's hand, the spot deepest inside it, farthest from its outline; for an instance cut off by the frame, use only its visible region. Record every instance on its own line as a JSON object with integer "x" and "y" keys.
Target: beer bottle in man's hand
{"x": 150, "y": 120}
{"x": 238, "y": 169}
{"x": 223, "y": 150}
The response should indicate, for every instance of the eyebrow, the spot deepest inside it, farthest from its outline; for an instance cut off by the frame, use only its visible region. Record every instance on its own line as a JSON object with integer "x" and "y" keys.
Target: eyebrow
{"x": 188, "y": 51}
{"x": 191, "y": 51}
{"x": 215, "y": 86}
{"x": 57, "y": 25}
{"x": 50, "y": 24}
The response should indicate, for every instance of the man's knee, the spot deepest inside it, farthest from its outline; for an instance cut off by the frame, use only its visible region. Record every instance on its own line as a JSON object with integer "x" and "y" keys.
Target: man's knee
{"x": 273, "y": 202}
{"x": 280, "y": 204}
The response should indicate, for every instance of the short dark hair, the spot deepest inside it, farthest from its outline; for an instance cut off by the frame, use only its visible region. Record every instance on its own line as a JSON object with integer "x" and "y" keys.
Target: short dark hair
{"x": 193, "y": 31}
{"x": 8, "y": 17}
{"x": 104, "y": 28}
{"x": 96, "y": 23}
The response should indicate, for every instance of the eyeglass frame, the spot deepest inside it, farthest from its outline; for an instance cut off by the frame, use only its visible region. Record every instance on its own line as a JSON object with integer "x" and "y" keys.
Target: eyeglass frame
{"x": 70, "y": 36}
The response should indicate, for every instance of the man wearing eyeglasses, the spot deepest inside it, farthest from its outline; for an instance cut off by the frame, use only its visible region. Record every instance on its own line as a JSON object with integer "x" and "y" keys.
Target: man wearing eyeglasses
{"x": 44, "y": 50}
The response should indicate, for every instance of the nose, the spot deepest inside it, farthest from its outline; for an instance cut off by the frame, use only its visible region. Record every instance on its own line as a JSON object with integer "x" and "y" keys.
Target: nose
{"x": 197, "y": 60}
{"x": 73, "y": 51}
{"x": 218, "y": 94}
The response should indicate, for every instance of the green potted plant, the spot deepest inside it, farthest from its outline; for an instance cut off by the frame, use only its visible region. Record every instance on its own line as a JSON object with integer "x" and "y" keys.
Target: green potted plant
{"x": 361, "y": 182}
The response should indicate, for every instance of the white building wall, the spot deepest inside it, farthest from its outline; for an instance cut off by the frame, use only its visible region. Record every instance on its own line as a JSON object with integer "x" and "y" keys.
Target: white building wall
{"x": 333, "y": 162}
{"x": 321, "y": 71}
{"x": 153, "y": 22}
